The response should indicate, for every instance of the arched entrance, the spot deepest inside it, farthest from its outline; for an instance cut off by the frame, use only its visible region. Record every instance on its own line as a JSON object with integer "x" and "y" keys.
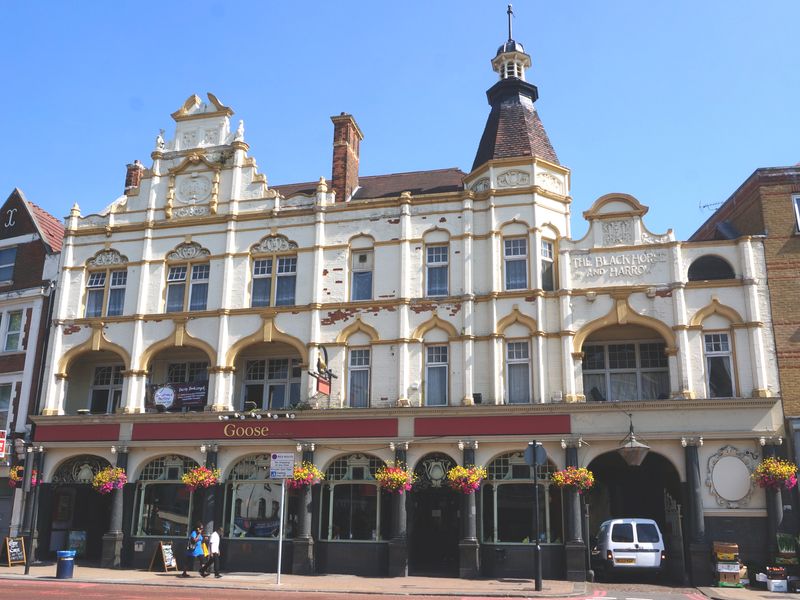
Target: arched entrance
{"x": 433, "y": 517}
{"x": 651, "y": 491}
{"x": 79, "y": 516}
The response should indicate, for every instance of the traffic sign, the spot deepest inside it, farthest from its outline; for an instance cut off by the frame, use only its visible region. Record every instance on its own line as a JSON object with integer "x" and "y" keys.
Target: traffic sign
{"x": 535, "y": 457}
{"x": 281, "y": 465}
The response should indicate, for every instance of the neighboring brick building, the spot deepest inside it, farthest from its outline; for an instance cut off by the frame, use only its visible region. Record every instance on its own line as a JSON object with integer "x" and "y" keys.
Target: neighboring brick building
{"x": 768, "y": 204}
{"x": 30, "y": 243}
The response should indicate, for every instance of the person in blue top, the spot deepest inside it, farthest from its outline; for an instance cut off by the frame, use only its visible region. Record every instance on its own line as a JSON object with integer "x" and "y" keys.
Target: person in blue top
{"x": 194, "y": 548}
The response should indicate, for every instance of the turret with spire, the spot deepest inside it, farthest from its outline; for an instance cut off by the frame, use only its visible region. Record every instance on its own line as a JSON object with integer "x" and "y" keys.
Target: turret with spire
{"x": 513, "y": 128}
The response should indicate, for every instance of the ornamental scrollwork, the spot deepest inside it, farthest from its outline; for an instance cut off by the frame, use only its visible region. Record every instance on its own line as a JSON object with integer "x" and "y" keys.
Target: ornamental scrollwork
{"x": 550, "y": 182}
{"x": 193, "y": 210}
{"x": 481, "y": 185}
{"x": 728, "y": 460}
{"x": 273, "y": 243}
{"x": 107, "y": 258}
{"x": 649, "y": 238}
{"x": 513, "y": 178}
{"x": 80, "y": 469}
{"x": 188, "y": 251}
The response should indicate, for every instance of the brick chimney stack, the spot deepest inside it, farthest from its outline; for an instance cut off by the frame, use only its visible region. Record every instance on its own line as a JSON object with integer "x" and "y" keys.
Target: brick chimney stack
{"x": 346, "y": 139}
{"x": 133, "y": 177}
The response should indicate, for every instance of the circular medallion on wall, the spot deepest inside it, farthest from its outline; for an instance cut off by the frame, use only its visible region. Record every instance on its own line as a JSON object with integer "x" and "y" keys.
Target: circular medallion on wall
{"x": 729, "y": 476}
{"x": 196, "y": 188}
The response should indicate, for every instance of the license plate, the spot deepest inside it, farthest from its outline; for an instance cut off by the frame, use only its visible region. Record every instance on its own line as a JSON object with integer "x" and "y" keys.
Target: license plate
{"x": 625, "y": 561}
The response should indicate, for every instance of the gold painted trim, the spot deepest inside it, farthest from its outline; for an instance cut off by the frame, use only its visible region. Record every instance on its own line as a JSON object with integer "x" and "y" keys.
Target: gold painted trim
{"x": 357, "y": 326}
{"x": 96, "y": 342}
{"x": 517, "y": 317}
{"x": 715, "y": 307}
{"x": 637, "y": 208}
{"x": 180, "y": 338}
{"x": 267, "y": 333}
{"x": 434, "y": 323}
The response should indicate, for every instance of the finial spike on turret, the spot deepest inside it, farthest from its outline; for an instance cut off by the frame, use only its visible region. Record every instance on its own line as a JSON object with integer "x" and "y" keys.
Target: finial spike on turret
{"x": 510, "y": 12}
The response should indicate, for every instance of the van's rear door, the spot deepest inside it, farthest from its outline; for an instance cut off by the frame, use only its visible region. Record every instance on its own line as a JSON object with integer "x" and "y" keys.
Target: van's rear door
{"x": 648, "y": 545}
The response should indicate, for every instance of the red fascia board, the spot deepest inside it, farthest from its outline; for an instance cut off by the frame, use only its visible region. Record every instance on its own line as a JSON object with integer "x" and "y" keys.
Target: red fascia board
{"x": 77, "y": 433}
{"x": 278, "y": 429}
{"x": 506, "y": 425}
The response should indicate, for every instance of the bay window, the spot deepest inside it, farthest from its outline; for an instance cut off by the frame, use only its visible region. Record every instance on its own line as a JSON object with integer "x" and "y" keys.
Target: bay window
{"x": 515, "y": 257}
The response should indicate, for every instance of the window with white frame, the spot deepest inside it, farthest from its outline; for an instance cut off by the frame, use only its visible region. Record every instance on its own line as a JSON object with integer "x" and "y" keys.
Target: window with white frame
{"x": 436, "y": 267}
{"x": 286, "y": 280}
{"x": 272, "y": 383}
{"x": 719, "y": 367}
{"x": 177, "y": 298}
{"x": 187, "y": 372}
{"x": 507, "y": 496}
{"x": 436, "y": 366}
{"x": 548, "y": 266}
{"x": 164, "y": 506}
{"x": 620, "y": 371}
{"x": 13, "y": 341}
{"x": 268, "y": 280}
{"x": 97, "y": 291}
{"x": 6, "y": 390}
{"x": 106, "y": 392}
{"x": 8, "y": 257}
{"x": 261, "y": 294}
{"x": 361, "y": 274}
{"x": 358, "y": 375}
{"x": 795, "y": 203}
{"x": 515, "y": 256}
{"x": 518, "y": 373}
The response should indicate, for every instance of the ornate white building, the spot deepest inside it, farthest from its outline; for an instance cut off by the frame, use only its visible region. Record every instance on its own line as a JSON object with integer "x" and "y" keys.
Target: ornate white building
{"x": 462, "y": 321}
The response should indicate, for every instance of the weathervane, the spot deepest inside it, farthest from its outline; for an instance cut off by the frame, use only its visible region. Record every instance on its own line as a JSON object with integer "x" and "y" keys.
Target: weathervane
{"x": 510, "y": 12}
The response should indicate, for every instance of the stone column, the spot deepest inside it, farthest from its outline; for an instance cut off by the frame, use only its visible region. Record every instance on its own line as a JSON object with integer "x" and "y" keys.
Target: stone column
{"x": 303, "y": 553}
{"x": 774, "y": 506}
{"x": 112, "y": 540}
{"x": 699, "y": 550}
{"x": 468, "y": 547}
{"x": 398, "y": 545}
{"x": 575, "y": 548}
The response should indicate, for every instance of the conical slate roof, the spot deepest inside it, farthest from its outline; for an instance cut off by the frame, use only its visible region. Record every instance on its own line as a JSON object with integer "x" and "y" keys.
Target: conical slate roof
{"x": 513, "y": 128}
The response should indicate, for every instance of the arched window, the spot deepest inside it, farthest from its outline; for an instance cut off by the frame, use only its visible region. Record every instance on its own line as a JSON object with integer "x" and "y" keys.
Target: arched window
{"x": 507, "y": 495}
{"x": 253, "y": 501}
{"x": 353, "y": 506}
{"x": 163, "y": 503}
{"x": 710, "y": 267}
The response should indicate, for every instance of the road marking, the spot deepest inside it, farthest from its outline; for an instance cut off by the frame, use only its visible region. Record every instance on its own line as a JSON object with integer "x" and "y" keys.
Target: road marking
{"x": 632, "y": 598}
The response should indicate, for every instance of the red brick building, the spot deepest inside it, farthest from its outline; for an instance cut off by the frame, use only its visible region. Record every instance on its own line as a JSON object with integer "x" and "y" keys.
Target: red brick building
{"x": 30, "y": 246}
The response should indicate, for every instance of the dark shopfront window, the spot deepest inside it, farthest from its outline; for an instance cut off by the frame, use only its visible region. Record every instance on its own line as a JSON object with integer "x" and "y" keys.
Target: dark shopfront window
{"x": 164, "y": 505}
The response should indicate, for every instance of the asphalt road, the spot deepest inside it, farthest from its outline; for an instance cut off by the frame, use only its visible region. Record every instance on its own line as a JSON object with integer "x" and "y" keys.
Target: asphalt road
{"x": 89, "y": 591}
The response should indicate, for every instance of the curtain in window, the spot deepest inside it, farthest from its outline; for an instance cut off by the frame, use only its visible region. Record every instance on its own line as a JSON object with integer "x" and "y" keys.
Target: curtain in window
{"x": 362, "y": 285}
{"x": 262, "y": 289}
{"x": 284, "y": 291}
{"x": 720, "y": 382}
{"x": 519, "y": 391}
{"x": 623, "y": 387}
{"x": 116, "y": 301}
{"x": 548, "y": 281}
{"x": 655, "y": 385}
{"x": 175, "y": 297}
{"x": 94, "y": 303}
{"x": 437, "y": 281}
{"x": 436, "y": 386}
{"x": 516, "y": 276}
{"x": 198, "y": 296}
{"x": 594, "y": 387}
{"x": 359, "y": 388}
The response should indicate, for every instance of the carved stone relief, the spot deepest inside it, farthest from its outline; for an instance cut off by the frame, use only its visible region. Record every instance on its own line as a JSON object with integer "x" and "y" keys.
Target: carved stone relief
{"x": 94, "y": 221}
{"x": 188, "y": 251}
{"x": 481, "y": 185}
{"x": 106, "y": 258}
{"x": 649, "y": 238}
{"x": 193, "y": 189}
{"x": 513, "y": 178}
{"x": 273, "y": 243}
{"x": 191, "y": 211}
{"x": 617, "y": 233}
{"x": 550, "y": 182}
{"x": 728, "y": 476}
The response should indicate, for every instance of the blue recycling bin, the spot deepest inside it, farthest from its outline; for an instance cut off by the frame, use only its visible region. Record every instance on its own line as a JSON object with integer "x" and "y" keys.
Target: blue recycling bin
{"x": 65, "y": 564}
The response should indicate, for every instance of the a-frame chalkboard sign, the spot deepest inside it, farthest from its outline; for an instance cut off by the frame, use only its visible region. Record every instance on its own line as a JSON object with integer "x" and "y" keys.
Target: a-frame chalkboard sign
{"x": 15, "y": 550}
{"x": 163, "y": 557}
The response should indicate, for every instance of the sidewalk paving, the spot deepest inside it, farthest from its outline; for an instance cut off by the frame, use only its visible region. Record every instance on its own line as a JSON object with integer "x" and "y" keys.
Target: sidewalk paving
{"x": 350, "y": 584}
{"x": 726, "y": 593}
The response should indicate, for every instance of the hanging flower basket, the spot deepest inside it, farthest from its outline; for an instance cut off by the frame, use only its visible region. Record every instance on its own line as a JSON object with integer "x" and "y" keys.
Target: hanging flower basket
{"x": 466, "y": 480}
{"x": 109, "y": 479}
{"x": 200, "y": 477}
{"x": 16, "y": 476}
{"x": 580, "y": 478}
{"x": 304, "y": 475}
{"x": 775, "y": 473}
{"x": 395, "y": 478}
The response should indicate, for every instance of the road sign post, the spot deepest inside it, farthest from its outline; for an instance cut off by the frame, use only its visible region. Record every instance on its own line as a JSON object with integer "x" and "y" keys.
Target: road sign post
{"x": 281, "y": 467}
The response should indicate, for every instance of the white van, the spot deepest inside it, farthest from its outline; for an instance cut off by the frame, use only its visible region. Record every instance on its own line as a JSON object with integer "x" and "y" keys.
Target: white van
{"x": 628, "y": 545}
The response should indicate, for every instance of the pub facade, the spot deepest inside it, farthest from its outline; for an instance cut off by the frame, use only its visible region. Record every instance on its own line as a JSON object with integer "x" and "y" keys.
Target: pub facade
{"x": 461, "y": 320}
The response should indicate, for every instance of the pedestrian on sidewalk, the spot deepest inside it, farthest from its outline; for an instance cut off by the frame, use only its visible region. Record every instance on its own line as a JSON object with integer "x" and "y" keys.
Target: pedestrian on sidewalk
{"x": 213, "y": 559}
{"x": 194, "y": 547}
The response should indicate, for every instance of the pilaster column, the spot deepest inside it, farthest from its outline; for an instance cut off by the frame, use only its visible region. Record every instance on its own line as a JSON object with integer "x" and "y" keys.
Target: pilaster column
{"x": 303, "y": 551}
{"x": 403, "y": 323}
{"x": 575, "y": 548}
{"x": 699, "y": 551}
{"x": 113, "y": 538}
{"x": 468, "y": 547}
{"x": 398, "y": 545}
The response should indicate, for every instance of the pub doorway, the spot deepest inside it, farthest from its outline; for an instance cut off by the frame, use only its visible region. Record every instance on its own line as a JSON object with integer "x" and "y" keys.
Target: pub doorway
{"x": 433, "y": 515}
{"x": 79, "y": 516}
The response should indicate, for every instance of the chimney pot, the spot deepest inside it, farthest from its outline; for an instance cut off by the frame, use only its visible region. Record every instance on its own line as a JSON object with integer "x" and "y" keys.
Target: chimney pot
{"x": 133, "y": 176}
{"x": 346, "y": 138}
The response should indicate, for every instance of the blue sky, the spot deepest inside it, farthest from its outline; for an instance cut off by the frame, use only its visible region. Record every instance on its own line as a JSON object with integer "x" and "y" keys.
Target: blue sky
{"x": 675, "y": 102}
